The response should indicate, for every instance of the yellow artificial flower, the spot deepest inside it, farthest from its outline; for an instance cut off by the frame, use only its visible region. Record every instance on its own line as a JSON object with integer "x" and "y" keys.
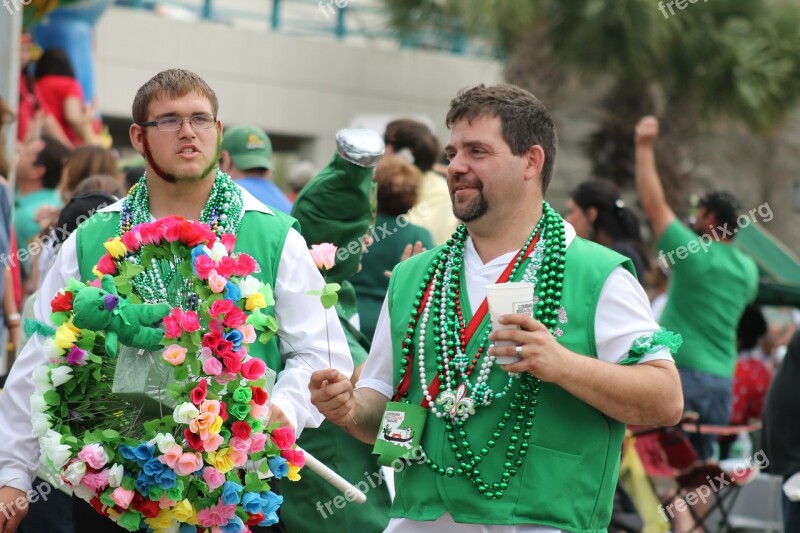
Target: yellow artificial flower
{"x": 255, "y": 301}
{"x": 216, "y": 425}
{"x": 183, "y": 511}
{"x": 65, "y": 338}
{"x": 162, "y": 522}
{"x": 72, "y": 326}
{"x": 294, "y": 473}
{"x": 221, "y": 460}
{"x": 116, "y": 248}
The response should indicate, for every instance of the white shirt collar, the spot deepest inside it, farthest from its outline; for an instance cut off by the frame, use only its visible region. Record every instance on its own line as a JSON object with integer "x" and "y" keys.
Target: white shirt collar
{"x": 474, "y": 260}
{"x": 249, "y": 202}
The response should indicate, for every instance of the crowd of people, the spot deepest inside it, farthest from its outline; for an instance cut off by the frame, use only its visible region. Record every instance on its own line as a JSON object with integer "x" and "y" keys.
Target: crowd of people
{"x": 529, "y": 446}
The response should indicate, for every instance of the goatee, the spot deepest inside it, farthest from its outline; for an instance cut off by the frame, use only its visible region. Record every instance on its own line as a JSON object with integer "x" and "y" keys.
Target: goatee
{"x": 172, "y": 178}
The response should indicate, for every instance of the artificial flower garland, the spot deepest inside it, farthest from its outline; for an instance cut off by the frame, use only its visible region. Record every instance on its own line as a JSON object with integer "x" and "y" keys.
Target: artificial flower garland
{"x": 205, "y": 463}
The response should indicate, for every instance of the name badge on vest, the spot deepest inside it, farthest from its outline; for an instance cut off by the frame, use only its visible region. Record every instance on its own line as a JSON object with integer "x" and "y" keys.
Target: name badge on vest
{"x": 400, "y": 433}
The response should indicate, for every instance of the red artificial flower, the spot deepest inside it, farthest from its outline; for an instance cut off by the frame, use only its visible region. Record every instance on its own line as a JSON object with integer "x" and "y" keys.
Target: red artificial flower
{"x": 245, "y": 265}
{"x": 172, "y": 328}
{"x": 296, "y": 457}
{"x": 235, "y": 318}
{"x": 131, "y": 241}
{"x": 188, "y": 319}
{"x": 226, "y": 266}
{"x": 193, "y": 440}
{"x": 223, "y": 411}
{"x": 255, "y": 519}
{"x": 212, "y": 340}
{"x": 199, "y": 392}
{"x": 253, "y": 369}
{"x": 260, "y": 396}
{"x": 283, "y": 437}
{"x": 62, "y": 302}
{"x": 203, "y": 264}
{"x": 147, "y": 507}
{"x": 241, "y": 430}
{"x": 232, "y": 361}
{"x": 106, "y": 265}
{"x": 220, "y": 307}
{"x": 99, "y": 506}
{"x": 228, "y": 240}
{"x": 150, "y": 233}
{"x": 192, "y": 234}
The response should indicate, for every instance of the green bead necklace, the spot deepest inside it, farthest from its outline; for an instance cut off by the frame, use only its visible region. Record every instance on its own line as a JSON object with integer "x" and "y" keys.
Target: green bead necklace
{"x": 442, "y": 281}
{"x": 223, "y": 213}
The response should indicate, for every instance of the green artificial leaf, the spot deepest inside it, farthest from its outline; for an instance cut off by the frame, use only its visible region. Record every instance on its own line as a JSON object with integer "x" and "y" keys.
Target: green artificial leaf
{"x": 110, "y": 435}
{"x": 329, "y": 300}
{"x": 175, "y": 390}
{"x": 269, "y": 298}
{"x": 331, "y": 287}
{"x": 51, "y": 397}
{"x": 181, "y": 373}
{"x": 185, "y": 270}
{"x": 315, "y": 292}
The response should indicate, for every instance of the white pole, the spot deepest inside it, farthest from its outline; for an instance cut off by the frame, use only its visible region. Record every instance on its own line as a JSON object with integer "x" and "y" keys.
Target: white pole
{"x": 334, "y": 479}
{"x": 10, "y": 29}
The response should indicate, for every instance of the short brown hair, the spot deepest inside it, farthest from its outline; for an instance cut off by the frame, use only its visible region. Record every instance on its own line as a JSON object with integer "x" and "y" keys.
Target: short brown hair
{"x": 525, "y": 120}
{"x": 398, "y": 186}
{"x": 172, "y": 83}
{"x": 88, "y": 160}
{"x": 417, "y": 137}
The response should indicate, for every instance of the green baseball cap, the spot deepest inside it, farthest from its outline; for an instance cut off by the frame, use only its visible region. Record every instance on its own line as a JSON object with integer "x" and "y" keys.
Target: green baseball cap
{"x": 249, "y": 147}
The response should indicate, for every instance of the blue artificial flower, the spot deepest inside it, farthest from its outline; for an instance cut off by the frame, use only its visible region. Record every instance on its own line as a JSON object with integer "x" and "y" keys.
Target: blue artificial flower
{"x": 273, "y": 502}
{"x": 235, "y": 336}
{"x": 167, "y": 479}
{"x": 187, "y": 528}
{"x": 153, "y": 467}
{"x": 128, "y": 452}
{"x": 143, "y": 452}
{"x": 278, "y": 466}
{"x": 269, "y": 520}
{"x": 230, "y": 493}
{"x": 252, "y": 502}
{"x": 234, "y": 525}
{"x": 198, "y": 250}
{"x": 143, "y": 483}
{"x": 232, "y": 292}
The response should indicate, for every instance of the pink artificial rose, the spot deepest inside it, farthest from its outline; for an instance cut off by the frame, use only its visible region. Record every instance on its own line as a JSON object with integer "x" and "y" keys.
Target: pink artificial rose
{"x": 228, "y": 241}
{"x": 174, "y": 354}
{"x": 171, "y": 228}
{"x": 238, "y": 457}
{"x": 225, "y": 377}
{"x": 93, "y": 455}
{"x": 164, "y": 502}
{"x": 203, "y": 264}
{"x": 226, "y": 266}
{"x": 220, "y": 307}
{"x": 172, "y": 327}
{"x": 283, "y": 437}
{"x": 190, "y": 321}
{"x": 235, "y": 318}
{"x": 259, "y": 441}
{"x": 106, "y": 265}
{"x": 245, "y": 265}
{"x": 240, "y": 445}
{"x": 213, "y": 478}
{"x": 172, "y": 456}
{"x": 96, "y": 481}
{"x": 213, "y": 442}
{"x": 131, "y": 241}
{"x": 150, "y": 233}
{"x": 212, "y": 366}
{"x": 259, "y": 412}
{"x": 189, "y": 463}
{"x": 198, "y": 393}
{"x": 248, "y": 333}
{"x": 122, "y": 497}
{"x": 324, "y": 255}
{"x": 296, "y": 457}
{"x": 253, "y": 369}
{"x": 216, "y": 282}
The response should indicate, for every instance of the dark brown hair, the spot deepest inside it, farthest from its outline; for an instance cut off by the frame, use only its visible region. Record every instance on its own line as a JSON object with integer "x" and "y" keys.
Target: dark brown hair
{"x": 417, "y": 137}
{"x": 524, "y": 119}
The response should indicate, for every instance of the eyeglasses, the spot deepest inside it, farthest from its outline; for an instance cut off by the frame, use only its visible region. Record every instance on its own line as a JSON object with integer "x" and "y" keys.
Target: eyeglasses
{"x": 203, "y": 121}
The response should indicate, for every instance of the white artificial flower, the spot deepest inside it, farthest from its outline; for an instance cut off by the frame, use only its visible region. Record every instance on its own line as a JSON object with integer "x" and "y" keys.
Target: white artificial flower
{"x": 74, "y": 473}
{"x": 115, "y": 475}
{"x": 164, "y": 441}
{"x": 249, "y": 286}
{"x": 218, "y": 251}
{"x": 60, "y": 375}
{"x": 83, "y": 492}
{"x": 41, "y": 423}
{"x": 56, "y": 453}
{"x": 185, "y": 413}
{"x": 41, "y": 380}
{"x": 38, "y": 405}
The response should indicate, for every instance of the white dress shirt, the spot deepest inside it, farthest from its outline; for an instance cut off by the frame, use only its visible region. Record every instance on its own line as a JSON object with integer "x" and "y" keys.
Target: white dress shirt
{"x": 304, "y": 349}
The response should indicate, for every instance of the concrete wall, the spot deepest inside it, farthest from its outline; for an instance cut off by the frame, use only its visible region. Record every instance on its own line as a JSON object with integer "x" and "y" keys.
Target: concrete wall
{"x": 307, "y": 87}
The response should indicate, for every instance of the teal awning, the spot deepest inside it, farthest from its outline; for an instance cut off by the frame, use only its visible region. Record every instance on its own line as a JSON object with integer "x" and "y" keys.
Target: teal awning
{"x": 779, "y": 266}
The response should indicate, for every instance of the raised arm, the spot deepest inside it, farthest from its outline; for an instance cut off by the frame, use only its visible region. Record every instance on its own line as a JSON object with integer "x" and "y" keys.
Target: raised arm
{"x": 651, "y": 192}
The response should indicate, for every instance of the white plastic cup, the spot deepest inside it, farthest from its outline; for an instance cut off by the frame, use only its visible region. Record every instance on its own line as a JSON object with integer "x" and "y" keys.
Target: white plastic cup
{"x": 508, "y": 299}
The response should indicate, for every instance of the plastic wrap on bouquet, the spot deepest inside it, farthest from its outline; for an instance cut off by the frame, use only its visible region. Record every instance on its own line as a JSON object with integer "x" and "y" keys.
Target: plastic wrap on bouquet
{"x": 141, "y": 378}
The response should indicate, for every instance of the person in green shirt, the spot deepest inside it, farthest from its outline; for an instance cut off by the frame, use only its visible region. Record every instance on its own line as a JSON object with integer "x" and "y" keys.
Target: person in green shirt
{"x": 711, "y": 284}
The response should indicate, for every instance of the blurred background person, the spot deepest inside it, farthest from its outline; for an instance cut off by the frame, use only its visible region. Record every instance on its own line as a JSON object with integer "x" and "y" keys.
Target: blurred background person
{"x": 301, "y": 173}
{"x": 398, "y": 189}
{"x": 414, "y": 141}
{"x": 597, "y": 212}
{"x": 60, "y": 94}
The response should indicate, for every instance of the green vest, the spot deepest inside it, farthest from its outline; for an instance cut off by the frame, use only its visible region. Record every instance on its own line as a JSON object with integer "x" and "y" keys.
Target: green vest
{"x": 570, "y": 472}
{"x": 313, "y": 504}
{"x": 261, "y": 236}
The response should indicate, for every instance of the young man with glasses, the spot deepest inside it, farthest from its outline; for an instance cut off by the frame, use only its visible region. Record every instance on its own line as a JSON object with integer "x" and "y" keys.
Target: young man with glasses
{"x": 176, "y": 130}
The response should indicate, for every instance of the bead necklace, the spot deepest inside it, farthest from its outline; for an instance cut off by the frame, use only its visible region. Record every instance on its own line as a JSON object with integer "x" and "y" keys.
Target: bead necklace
{"x": 223, "y": 213}
{"x": 546, "y": 269}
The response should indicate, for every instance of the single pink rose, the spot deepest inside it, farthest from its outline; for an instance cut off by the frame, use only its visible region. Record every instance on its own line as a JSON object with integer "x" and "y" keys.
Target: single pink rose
{"x": 226, "y": 266}
{"x": 150, "y": 233}
{"x": 172, "y": 456}
{"x": 171, "y": 228}
{"x": 220, "y": 307}
{"x": 93, "y": 455}
{"x": 213, "y": 442}
{"x": 238, "y": 457}
{"x": 190, "y": 321}
{"x": 122, "y": 497}
{"x": 212, "y": 366}
{"x": 172, "y": 328}
{"x": 296, "y": 457}
{"x": 245, "y": 265}
{"x": 216, "y": 282}
{"x": 259, "y": 412}
{"x": 213, "y": 478}
{"x": 96, "y": 481}
{"x": 235, "y": 318}
{"x": 248, "y": 333}
{"x": 174, "y": 354}
{"x": 253, "y": 369}
{"x": 131, "y": 241}
{"x": 259, "y": 441}
{"x": 241, "y": 445}
{"x": 324, "y": 255}
{"x": 189, "y": 463}
{"x": 106, "y": 265}
{"x": 283, "y": 437}
{"x": 203, "y": 264}
{"x": 228, "y": 240}
{"x": 225, "y": 377}
{"x": 210, "y": 406}
{"x": 164, "y": 502}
